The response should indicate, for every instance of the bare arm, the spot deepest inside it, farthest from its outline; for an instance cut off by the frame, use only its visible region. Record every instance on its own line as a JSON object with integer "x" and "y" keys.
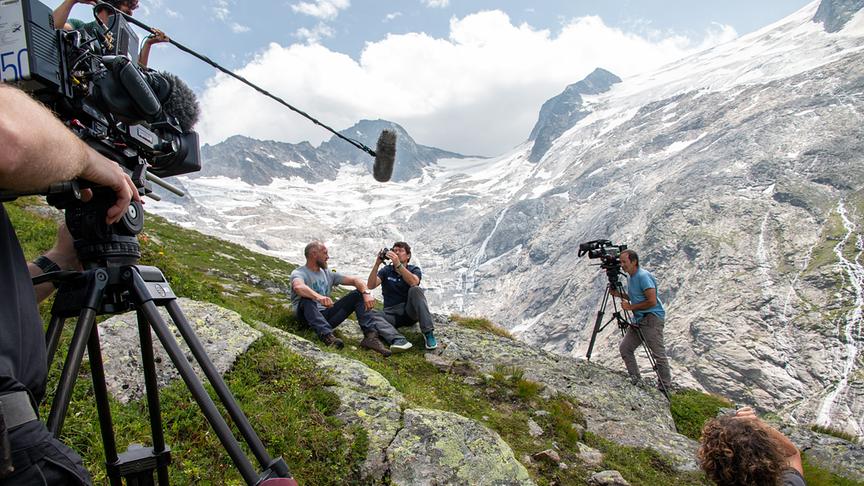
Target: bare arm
{"x": 649, "y": 302}
{"x": 38, "y": 150}
{"x": 787, "y": 448}
{"x": 61, "y": 13}
{"x": 360, "y": 285}
{"x": 374, "y": 281}
{"x": 157, "y": 37}
{"x": 300, "y": 288}
{"x": 409, "y": 278}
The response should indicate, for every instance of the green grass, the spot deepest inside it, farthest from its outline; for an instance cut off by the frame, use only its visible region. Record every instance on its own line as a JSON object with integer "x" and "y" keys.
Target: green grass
{"x": 691, "y": 409}
{"x": 834, "y": 433}
{"x": 817, "y": 476}
{"x": 481, "y": 324}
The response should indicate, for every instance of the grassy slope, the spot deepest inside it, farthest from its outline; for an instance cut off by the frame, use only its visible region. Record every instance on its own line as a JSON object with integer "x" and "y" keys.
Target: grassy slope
{"x": 285, "y": 396}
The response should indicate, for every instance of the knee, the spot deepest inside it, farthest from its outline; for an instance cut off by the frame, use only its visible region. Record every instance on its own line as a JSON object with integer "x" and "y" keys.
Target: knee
{"x": 415, "y": 292}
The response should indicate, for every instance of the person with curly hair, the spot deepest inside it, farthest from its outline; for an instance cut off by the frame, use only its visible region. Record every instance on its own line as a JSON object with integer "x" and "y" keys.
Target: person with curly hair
{"x": 743, "y": 450}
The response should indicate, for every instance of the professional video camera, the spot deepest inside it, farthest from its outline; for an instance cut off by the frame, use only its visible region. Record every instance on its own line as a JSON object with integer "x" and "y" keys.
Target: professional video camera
{"x": 609, "y": 255}
{"x": 135, "y": 116}
{"x": 91, "y": 79}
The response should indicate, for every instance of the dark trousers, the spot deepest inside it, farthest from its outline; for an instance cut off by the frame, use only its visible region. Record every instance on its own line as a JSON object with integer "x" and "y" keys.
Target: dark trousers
{"x": 652, "y": 331}
{"x": 324, "y": 321}
{"x": 415, "y": 309}
{"x": 48, "y": 463}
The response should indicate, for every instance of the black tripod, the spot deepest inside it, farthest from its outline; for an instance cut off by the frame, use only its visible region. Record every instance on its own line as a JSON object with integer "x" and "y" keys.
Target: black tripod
{"x": 114, "y": 283}
{"x": 623, "y": 319}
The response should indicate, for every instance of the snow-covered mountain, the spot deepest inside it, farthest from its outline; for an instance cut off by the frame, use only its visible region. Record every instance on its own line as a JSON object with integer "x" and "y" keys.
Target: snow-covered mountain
{"x": 735, "y": 173}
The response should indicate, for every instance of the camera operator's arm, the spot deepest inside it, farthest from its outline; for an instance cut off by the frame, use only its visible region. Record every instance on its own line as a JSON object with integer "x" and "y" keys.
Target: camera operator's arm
{"x": 303, "y": 290}
{"x": 61, "y": 13}
{"x": 787, "y": 448}
{"x": 649, "y": 302}
{"x": 360, "y": 285}
{"x": 409, "y": 278}
{"x": 155, "y": 38}
{"x": 62, "y": 254}
{"x": 374, "y": 281}
{"x": 39, "y": 151}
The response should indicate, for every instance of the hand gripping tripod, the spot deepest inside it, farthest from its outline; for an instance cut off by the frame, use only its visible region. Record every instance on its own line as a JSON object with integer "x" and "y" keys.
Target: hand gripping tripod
{"x": 622, "y": 317}
{"x": 112, "y": 283}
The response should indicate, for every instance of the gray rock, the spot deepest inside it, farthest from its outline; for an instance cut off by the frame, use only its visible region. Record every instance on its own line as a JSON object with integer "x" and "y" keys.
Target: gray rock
{"x": 533, "y": 429}
{"x": 834, "y": 14}
{"x": 436, "y": 447}
{"x": 592, "y": 458}
{"x": 548, "y": 455}
{"x": 839, "y": 456}
{"x": 607, "y": 478}
{"x": 222, "y": 333}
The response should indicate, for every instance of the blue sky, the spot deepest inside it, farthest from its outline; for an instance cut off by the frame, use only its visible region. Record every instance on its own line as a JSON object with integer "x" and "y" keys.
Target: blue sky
{"x": 441, "y": 68}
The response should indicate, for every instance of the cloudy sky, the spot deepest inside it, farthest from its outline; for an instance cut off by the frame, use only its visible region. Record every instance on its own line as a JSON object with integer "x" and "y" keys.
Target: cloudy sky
{"x": 463, "y": 75}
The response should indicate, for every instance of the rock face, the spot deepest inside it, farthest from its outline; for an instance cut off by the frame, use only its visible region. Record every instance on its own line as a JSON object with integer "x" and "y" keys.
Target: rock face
{"x": 834, "y": 14}
{"x": 560, "y": 113}
{"x": 436, "y": 447}
{"x": 258, "y": 162}
{"x": 222, "y": 333}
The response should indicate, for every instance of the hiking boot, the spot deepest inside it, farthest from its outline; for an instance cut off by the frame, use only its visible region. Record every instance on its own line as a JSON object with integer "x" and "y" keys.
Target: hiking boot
{"x": 331, "y": 340}
{"x": 431, "y": 342}
{"x": 371, "y": 341}
{"x": 400, "y": 344}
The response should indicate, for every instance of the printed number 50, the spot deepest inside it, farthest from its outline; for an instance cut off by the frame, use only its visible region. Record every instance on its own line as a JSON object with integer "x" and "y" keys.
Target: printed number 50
{"x": 14, "y": 65}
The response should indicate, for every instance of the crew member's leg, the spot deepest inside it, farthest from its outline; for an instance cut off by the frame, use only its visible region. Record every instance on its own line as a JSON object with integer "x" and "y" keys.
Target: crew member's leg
{"x": 652, "y": 332}
{"x": 627, "y": 348}
{"x": 418, "y": 309}
{"x": 353, "y": 302}
{"x": 309, "y": 313}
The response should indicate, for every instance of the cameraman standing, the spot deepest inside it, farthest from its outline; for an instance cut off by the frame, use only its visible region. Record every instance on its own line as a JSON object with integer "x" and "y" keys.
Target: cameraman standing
{"x": 648, "y": 316}
{"x": 37, "y": 151}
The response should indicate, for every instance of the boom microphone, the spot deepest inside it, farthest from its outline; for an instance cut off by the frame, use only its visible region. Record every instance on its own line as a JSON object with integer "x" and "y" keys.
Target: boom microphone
{"x": 385, "y": 156}
{"x": 182, "y": 103}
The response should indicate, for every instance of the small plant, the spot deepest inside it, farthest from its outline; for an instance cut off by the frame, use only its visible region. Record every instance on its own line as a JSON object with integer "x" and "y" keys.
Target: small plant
{"x": 691, "y": 409}
{"x": 835, "y": 432}
{"x": 481, "y": 324}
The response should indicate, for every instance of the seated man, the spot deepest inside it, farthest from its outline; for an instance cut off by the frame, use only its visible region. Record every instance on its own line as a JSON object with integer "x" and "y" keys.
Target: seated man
{"x": 311, "y": 285}
{"x": 740, "y": 449}
{"x": 404, "y": 300}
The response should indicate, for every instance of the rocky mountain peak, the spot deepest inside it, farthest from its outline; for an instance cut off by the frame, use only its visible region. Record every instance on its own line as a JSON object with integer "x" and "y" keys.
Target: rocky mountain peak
{"x": 563, "y": 111}
{"x": 834, "y": 14}
{"x": 411, "y": 157}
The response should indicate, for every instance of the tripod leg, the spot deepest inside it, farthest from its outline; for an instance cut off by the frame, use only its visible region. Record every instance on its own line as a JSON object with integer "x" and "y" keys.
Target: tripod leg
{"x": 208, "y": 408}
{"x": 153, "y": 407}
{"x": 597, "y": 326}
{"x": 100, "y": 393}
{"x": 52, "y": 336}
{"x": 65, "y": 385}
{"x": 219, "y": 385}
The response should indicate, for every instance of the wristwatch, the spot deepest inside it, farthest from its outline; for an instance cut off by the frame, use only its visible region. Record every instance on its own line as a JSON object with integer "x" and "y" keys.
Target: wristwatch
{"x": 366, "y": 292}
{"x": 46, "y": 264}
{"x": 399, "y": 266}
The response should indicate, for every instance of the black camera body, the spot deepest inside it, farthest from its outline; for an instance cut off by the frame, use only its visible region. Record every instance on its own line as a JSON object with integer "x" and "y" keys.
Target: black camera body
{"x": 91, "y": 80}
{"x": 608, "y": 253}
{"x": 383, "y": 254}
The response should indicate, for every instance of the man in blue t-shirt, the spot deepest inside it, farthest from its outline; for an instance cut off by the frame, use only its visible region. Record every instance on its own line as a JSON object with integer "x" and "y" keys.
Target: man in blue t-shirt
{"x": 648, "y": 316}
{"x": 404, "y": 301}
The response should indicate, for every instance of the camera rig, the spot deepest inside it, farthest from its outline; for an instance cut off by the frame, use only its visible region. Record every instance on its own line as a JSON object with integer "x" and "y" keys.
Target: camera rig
{"x": 142, "y": 120}
{"x": 610, "y": 261}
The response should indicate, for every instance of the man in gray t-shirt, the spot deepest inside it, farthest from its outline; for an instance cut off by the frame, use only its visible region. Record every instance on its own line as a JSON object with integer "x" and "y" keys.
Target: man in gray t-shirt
{"x": 311, "y": 286}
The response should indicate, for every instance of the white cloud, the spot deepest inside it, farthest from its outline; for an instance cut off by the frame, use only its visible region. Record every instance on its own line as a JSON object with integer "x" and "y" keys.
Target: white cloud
{"x": 322, "y": 9}
{"x": 315, "y": 34}
{"x": 221, "y": 10}
{"x": 444, "y": 91}
{"x": 436, "y": 3}
{"x": 238, "y": 29}
{"x": 392, "y": 16}
{"x": 172, "y": 13}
